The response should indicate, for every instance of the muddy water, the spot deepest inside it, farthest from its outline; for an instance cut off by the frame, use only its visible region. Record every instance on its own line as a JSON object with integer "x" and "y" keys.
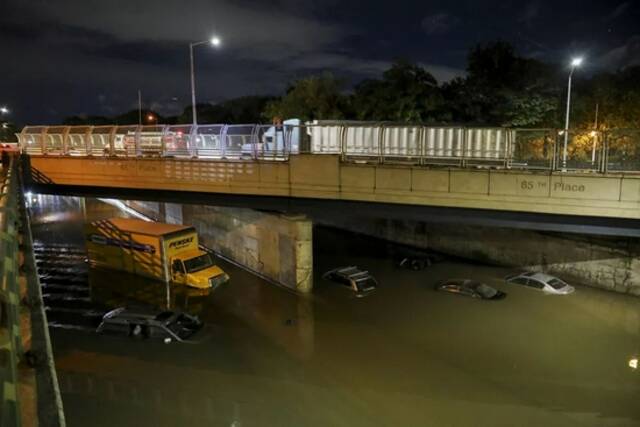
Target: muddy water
{"x": 405, "y": 355}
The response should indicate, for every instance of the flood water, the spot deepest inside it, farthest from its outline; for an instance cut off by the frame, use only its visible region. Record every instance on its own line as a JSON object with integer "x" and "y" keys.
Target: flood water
{"x": 403, "y": 356}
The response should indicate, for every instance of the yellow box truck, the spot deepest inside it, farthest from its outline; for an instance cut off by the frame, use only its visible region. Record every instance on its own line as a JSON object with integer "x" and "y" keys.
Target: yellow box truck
{"x": 167, "y": 252}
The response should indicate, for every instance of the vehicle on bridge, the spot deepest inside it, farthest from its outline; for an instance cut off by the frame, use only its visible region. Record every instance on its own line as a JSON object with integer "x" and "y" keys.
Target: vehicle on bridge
{"x": 167, "y": 252}
{"x": 359, "y": 281}
{"x": 470, "y": 288}
{"x": 165, "y": 325}
{"x": 543, "y": 282}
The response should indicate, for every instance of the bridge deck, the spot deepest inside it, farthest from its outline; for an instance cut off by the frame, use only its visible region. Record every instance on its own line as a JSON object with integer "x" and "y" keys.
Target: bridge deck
{"x": 326, "y": 177}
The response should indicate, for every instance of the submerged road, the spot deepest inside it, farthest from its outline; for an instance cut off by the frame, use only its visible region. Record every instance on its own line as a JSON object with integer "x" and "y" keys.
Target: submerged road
{"x": 405, "y": 355}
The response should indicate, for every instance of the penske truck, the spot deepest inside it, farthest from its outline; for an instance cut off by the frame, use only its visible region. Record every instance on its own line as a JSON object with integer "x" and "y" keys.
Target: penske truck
{"x": 166, "y": 252}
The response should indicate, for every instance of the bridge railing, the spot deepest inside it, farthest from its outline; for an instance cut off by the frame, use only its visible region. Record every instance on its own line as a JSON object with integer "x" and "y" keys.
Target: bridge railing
{"x": 615, "y": 150}
{"x": 10, "y": 341}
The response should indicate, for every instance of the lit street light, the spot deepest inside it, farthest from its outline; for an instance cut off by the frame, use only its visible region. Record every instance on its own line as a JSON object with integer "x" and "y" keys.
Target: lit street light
{"x": 4, "y": 110}
{"x": 215, "y": 42}
{"x": 574, "y": 64}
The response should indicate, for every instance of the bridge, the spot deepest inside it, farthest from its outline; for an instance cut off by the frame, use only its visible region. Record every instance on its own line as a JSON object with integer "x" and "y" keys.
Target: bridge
{"x": 497, "y": 169}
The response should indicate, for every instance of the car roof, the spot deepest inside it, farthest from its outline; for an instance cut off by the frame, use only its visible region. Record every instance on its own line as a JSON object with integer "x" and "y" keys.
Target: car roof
{"x": 469, "y": 283}
{"x": 352, "y": 272}
{"x": 543, "y": 277}
{"x": 140, "y": 314}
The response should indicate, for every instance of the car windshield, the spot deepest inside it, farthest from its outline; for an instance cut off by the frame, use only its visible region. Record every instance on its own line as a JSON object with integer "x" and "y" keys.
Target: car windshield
{"x": 556, "y": 283}
{"x": 164, "y": 316}
{"x": 198, "y": 263}
{"x": 486, "y": 291}
{"x": 184, "y": 326}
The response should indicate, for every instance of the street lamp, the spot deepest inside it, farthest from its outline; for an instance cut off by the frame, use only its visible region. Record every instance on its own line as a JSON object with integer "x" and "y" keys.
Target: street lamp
{"x": 4, "y": 110}
{"x": 215, "y": 42}
{"x": 575, "y": 62}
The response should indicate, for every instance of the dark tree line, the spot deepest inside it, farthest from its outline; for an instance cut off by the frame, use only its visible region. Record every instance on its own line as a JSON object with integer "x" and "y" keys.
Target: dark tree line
{"x": 500, "y": 88}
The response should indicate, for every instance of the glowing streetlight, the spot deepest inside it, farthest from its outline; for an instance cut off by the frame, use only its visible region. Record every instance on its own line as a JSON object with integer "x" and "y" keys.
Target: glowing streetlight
{"x": 215, "y": 42}
{"x": 4, "y": 110}
{"x": 151, "y": 117}
{"x": 575, "y": 62}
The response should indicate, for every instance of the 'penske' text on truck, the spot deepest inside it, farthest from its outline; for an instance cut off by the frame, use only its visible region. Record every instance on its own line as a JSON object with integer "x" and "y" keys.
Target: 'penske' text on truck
{"x": 168, "y": 252}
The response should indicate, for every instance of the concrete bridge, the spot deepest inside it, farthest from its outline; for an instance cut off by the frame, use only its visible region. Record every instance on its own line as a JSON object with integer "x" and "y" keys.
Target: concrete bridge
{"x": 499, "y": 169}
{"x": 395, "y": 182}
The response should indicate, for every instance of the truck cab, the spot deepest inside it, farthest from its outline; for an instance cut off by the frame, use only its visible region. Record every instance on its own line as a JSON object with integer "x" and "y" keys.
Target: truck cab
{"x": 196, "y": 269}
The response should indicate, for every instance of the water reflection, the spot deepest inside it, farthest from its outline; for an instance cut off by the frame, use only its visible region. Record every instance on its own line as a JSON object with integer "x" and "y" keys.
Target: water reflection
{"x": 405, "y": 355}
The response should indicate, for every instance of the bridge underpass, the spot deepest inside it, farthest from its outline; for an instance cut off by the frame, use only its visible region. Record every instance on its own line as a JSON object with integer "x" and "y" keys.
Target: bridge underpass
{"x": 384, "y": 200}
{"x": 255, "y": 338}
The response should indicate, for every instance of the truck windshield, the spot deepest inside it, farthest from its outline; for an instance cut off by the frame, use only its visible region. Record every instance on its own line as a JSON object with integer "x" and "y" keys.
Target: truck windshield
{"x": 198, "y": 263}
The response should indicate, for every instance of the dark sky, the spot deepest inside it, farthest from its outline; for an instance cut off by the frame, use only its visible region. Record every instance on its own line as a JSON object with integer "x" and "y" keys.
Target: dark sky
{"x": 67, "y": 57}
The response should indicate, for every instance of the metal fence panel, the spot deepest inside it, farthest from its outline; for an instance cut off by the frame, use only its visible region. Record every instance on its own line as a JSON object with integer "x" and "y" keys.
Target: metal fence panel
{"x": 362, "y": 141}
{"x": 582, "y": 151}
{"x": 78, "y": 140}
{"x": 150, "y": 140}
{"x": 402, "y": 142}
{"x": 207, "y": 141}
{"x": 177, "y": 140}
{"x": 125, "y": 141}
{"x": 31, "y": 139}
{"x": 325, "y": 139}
{"x": 239, "y": 141}
{"x": 533, "y": 149}
{"x": 101, "y": 139}
{"x": 623, "y": 150}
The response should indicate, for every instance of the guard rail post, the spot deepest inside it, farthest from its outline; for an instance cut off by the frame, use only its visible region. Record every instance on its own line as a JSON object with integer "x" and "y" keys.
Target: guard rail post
{"x": 381, "y": 146}
{"x": 605, "y": 152}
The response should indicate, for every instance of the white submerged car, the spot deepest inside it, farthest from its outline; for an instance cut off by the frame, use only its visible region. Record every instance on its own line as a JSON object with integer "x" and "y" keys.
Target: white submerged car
{"x": 543, "y": 282}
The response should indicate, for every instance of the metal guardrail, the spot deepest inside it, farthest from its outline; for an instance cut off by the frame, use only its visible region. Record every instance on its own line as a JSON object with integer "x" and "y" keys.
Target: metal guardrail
{"x": 10, "y": 341}
{"x": 616, "y": 150}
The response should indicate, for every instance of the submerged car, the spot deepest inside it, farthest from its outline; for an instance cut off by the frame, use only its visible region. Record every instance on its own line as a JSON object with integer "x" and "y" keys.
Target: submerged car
{"x": 415, "y": 263}
{"x": 165, "y": 325}
{"x": 470, "y": 288}
{"x": 358, "y": 281}
{"x": 541, "y": 281}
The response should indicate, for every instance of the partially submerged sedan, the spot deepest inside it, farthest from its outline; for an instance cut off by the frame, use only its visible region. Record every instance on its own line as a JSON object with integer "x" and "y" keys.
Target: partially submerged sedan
{"x": 543, "y": 282}
{"x": 356, "y": 280}
{"x": 470, "y": 288}
{"x": 164, "y": 325}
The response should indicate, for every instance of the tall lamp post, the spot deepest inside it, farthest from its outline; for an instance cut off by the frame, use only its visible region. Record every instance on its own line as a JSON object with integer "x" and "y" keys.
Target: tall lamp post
{"x": 214, "y": 41}
{"x": 3, "y": 111}
{"x": 574, "y": 64}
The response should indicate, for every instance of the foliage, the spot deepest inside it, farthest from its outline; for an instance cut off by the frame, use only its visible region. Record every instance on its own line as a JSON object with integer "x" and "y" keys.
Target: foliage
{"x": 503, "y": 89}
{"x": 246, "y": 109}
{"x": 315, "y": 97}
{"x": 406, "y": 93}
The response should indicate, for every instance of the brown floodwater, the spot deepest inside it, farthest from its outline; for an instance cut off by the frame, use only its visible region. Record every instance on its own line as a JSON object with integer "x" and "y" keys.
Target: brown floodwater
{"x": 403, "y": 356}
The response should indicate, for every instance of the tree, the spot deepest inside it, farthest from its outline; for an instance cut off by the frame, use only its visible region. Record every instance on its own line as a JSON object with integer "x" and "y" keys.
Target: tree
{"x": 502, "y": 88}
{"x": 245, "y": 109}
{"x": 406, "y": 93}
{"x": 312, "y": 98}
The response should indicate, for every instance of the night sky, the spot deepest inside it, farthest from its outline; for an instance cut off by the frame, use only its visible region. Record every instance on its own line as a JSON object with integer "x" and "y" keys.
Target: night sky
{"x": 70, "y": 57}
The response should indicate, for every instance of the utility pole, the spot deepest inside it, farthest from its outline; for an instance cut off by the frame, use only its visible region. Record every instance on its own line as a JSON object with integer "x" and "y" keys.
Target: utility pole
{"x": 139, "y": 107}
{"x": 595, "y": 136}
